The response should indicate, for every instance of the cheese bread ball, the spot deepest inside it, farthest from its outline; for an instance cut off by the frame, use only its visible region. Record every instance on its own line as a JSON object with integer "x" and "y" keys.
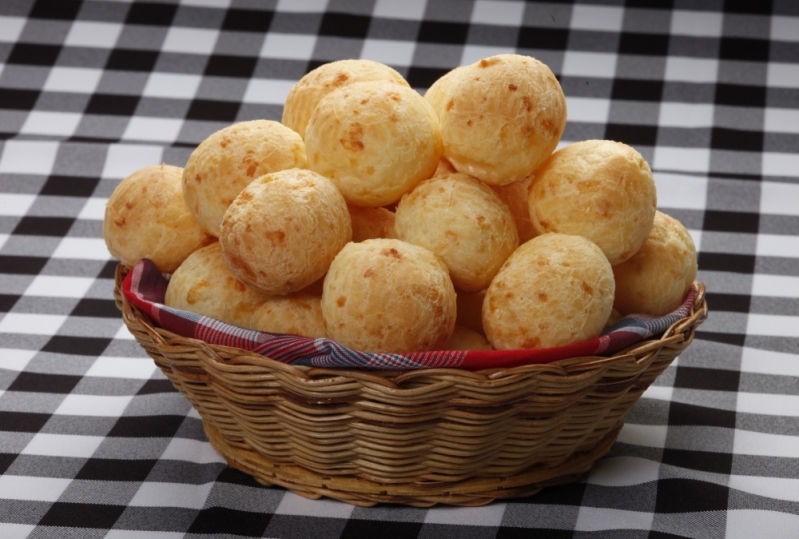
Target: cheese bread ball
{"x": 146, "y": 217}
{"x": 228, "y": 160}
{"x": 656, "y": 279}
{"x": 371, "y": 223}
{"x": 504, "y": 116}
{"x": 515, "y": 196}
{"x": 298, "y": 314}
{"x": 204, "y": 285}
{"x": 438, "y": 92}
{"x": 462, "y": 221}
{"x": 599, "y": 189}
{"x": 284, "y": 229}
{"x": 375, "y": 140}
{"x": 555, "y": 290}
{"x": 464, "y": 338}
{"x": 385, "y": 295}
{"x": 310, "y": 89}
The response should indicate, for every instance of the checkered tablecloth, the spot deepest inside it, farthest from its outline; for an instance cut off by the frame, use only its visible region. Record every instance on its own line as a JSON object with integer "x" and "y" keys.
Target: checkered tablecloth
{"x": 95, "y": 442}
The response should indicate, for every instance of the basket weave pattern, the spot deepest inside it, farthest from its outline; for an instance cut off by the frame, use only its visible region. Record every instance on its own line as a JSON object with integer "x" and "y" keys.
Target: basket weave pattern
{"x": 416, "y": 437}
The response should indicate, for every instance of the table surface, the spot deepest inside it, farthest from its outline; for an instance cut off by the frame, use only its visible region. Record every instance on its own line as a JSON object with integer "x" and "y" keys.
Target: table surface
{"x": 95, "y": 442}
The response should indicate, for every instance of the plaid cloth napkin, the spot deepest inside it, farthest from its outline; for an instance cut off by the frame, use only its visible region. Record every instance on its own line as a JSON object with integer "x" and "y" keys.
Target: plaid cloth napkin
{"x": 145, "y": 287}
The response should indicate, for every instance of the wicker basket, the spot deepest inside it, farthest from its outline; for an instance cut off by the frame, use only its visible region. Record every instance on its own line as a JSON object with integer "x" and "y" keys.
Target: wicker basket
{"x": 417, "y": 437}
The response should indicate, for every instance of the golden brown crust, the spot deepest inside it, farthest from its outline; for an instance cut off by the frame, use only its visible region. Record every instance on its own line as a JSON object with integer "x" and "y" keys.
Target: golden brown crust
{"x": 462, "y": 221}
{"x": 305, "y": 95}
{"x": 146, "y": 217}
{"x": 228, "y": 160}
{"x": 375, "y": 140}
{"x": 656, "y": 279}
{"x": 599, "y": 189}
{"x": 297, "y": 314}
{"x": 438, "y": 92}
{"x": 515, "y": 195}
{"x": 284, "y": 229}
{"x": 554, "y": 290}
{"x": 385, "y": 295}
{"x": 464, "y": 338}
{"x": 371, "y": 223}
{"x": 204, "y": 285}
{"x": 503, "y": 117}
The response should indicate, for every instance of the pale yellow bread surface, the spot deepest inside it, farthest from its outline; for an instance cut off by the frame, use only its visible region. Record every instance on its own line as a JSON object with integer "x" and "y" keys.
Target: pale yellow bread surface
{"x": 438, "y": 92}
{"x": 310, "y": 89}
{"x": 204, "y": 285}
{"x": 375, "y": 140}
{"x": 371, "y": 223}
{"x": 599, "y": 189}
{"x": 470, "y": 310}
{"x": 503, "y": 117}
{"x": 515, "y": 196}
{"x": 284, "y": 229}
{"x": 385, "y": 295}
{"x": 554, "y": 290}
{"x": 464, "y": 338}
{"x": 298, "y": 314}
{"x": 227, "y": 161}
{"x": 462, "y": 221}
{"x": 146, "y": 217}
{"x": 657, "y": 278}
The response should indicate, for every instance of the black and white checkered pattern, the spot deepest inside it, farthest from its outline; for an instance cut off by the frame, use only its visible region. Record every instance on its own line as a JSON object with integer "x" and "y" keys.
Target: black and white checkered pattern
{"x": 95, "y": 442}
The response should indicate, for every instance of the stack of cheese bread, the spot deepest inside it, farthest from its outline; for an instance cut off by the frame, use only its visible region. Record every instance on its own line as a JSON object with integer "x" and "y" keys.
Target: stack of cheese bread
{"x": 395, "y": 222}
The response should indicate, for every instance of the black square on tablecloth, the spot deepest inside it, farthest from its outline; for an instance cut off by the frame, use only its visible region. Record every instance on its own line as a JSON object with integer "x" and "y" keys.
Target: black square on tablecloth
{"x": 740, "y": 95}
{"x": 507, "y": 532}
{"x": 115, "y": 105}
{"x": 632, "y": 134}
{"x": 735, "y": 339}
{"x": 722, "y": 138}
{"x": 39, "y": 382}
{"x": 731, "y": 262}
{"x": 705, "y": 461}
{"x": 247, "y": 20}
{"x": 744, "y": 49}
{"x": 34, "y": 54}
{"x": 736, "y": 303}
{"x": 644, "y": 44}
{"x": 44, "y": 226}
{"x": 223, "y": 520}
{"x": 65, "y": 10}
{"x": 637, "y": 90}
{"x": 761, "y": 7}
{"x": 78, "y": 346}
{"x": 152, "y": 387}
{"x": 7, "y": 301}
{"x": 208, "y": 109}
{"x": 109, "y": 270}
{"x": 707, "y": 379}
{"x": 82, "y": 515}
{"x": 237, "y": 477}
{"x": 424, "y": 77}
{"x": 6, "y": 459}
{"x": 452, "y": 33}
{"x": 69, "y": 186}
{"x": 100, "y": 308}
{"x": 356, "y": 529}
{"x": 22, "y": 421}
{"x": 25, "y": 265}
{"x": 131, "y": 60}
{"x": 650, "y": 4}
{"x": 344, "y": 25}
{"x": 151, "y": 13}
{"x": 222, "y": 65}
{"x": 542, "y": 38}
{"x": 14, "y": 99}
{"x": 134, "y": 470}
{"x": 162, "y": 426}
{"x": 692, "y": 415}
{"x": 731, "y": 221}
{"x": 690, "y": 496}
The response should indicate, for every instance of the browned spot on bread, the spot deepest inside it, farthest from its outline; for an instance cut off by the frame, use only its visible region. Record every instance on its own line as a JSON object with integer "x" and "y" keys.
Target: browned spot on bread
{"x": 450, "y": 104}
{"x": 251, "y": 169}
{"x": 512, "y": 87}
{"x": 275, "y": 236}
{"x": 120, "y": 221}
{"x": 484, "y": 63}
{"x": 369, "y": 273}
{"x": 533, "y": 342}
{"x": 528, "y": 105}
{"x": 587, "y": 288}
{"x": 353, "y": 140}
{"x": 196, "y": 292}
{"x": 198, "y": 178}
{"x": 393, "y": 253}
{"x": 542, "y": 296}
{"x": 340, "y": 79}
{"x": 341, "y": 301}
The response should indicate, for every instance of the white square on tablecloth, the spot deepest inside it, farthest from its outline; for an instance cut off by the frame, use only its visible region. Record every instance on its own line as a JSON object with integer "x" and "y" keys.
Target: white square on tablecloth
{"x": 51, "y": 123}
{"x": 152, "y": 494}
{"x": 681, "y": 159}
{"x": 781, "y": 121}
{"x": 487, "y": 515}
{"x": 681, "y": 69}
{"x": 780, "y": 164}
{"x": 93, "y": 34}
{"x": 782, "y": 75}
{"x": 93, "y": 405}
{"x": 28, "y": 157}
{"x": 152, "y": 129}
{"x": 748, "y": 523}
{"x": 779, "y": 198}
{"x": 138, "y": 368}
{"x": 94, "y": 209}
{"x": 293, "y": 504}
{"x": 81, "y": 80}
{"x": 681, "y": 191}
{"x": 267, "y": 91}
{"x": 11, "y": 28}
{"x": 124, "y": 159}
{"x": 63, "y": 445}
{"x": 588, "y": 109}
{"x": 82, "y": 249}
{"x": 589, "y": 64}
{"x": 15, "y": 204}
{"x": 172, "y": 85}
{"x": 32, "y": 324}
{"x": 686, "y": 115}
{"x": 397, "y": 53}
{"x": 784, "y": 28}
{"x": 695, "y": 23}
{"x": 190, "y": 40}
{"x": 781, "y": 245}
{"x": 603, "y": 18}
{"x": 391, "y": 9}
{"x": 298, "y": 47}
{"x": 59, "y": 286}
{"x": 39, "y": 489}
{"x": 15, "y": 359}
{"x": 498, "y": 12}
{"x": 196, "y": 451}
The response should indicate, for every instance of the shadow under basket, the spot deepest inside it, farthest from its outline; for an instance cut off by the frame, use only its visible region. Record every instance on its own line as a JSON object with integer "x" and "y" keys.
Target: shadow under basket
{"x": 416, "y": 437}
